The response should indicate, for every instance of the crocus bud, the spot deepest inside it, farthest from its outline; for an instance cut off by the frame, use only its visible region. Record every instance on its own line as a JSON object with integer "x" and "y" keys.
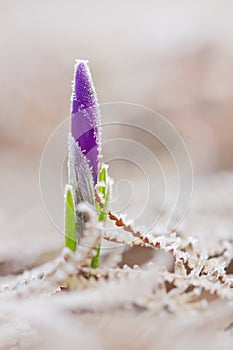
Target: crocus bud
{"x": 85, "y": 126}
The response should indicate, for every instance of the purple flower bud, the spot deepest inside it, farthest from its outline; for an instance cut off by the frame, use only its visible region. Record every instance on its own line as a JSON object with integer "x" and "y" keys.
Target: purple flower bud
{"x": 85, "y": 126}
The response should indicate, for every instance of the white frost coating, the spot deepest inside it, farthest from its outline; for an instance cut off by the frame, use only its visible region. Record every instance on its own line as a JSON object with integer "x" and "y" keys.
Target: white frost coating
{"x": 92, "y": 234}
{"x": 80, "y": 178}
{"x": 77, "y": 62}
{"x": 103, "y": 306}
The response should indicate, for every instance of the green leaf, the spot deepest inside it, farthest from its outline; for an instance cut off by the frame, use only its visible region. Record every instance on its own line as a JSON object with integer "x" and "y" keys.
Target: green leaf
{"x": 103, "y": 212}
{"x": 70, "y": 219}
{"x": 96, "y": 258}
{"x": 102, "y": 178}
{"x": 104, "y": 189}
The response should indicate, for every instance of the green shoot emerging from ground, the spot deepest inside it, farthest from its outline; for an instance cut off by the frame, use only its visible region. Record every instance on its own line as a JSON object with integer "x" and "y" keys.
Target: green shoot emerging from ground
{"x": 85, "y": 173}
{"x": 104, "y": 189}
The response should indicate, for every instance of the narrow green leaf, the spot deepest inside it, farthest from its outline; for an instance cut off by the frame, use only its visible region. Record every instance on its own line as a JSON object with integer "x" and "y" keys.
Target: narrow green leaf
{"x": 70, "y": 219}
{"x": 102, "y": 178}
{"x": 104, "y": 189}
{"x": 103, "y": 212}
{"x": 96, "y": 258}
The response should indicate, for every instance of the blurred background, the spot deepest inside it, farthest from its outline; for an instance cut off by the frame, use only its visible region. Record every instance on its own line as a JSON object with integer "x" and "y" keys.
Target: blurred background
{"x": 173, "y": 56}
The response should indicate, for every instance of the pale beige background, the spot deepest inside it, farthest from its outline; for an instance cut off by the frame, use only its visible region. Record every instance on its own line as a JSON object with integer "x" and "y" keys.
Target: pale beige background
{"x": 174, "y": 56}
